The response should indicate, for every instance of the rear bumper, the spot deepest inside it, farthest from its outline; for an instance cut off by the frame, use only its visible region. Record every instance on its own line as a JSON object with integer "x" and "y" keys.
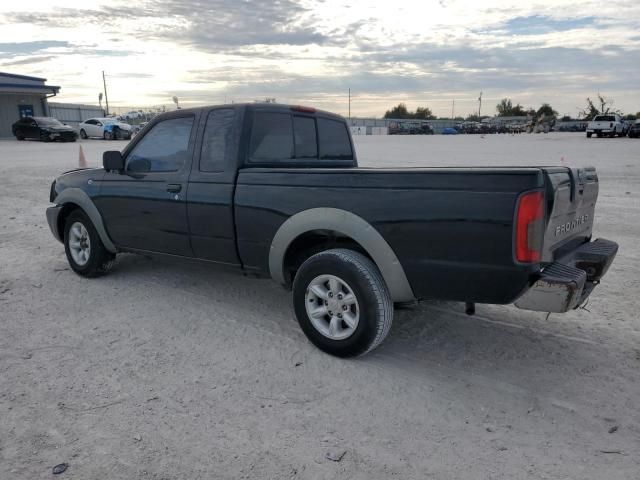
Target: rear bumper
{"x": 52, "y": 220}
{"x": 568, "y": 282}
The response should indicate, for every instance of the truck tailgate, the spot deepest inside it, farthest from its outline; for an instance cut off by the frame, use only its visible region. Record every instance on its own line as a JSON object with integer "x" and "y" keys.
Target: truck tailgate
{"x": 571, "y": 198}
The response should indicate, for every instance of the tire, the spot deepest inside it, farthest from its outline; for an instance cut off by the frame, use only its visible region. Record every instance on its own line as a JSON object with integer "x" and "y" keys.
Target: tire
{"x": 347, "y": 272}
{"x": 589, "y": 134}
{"x": 97, "y": 260}
{"x": 44, "y": 137}
{"x": 107, "y": 136}
{"x": 83, "y": 134}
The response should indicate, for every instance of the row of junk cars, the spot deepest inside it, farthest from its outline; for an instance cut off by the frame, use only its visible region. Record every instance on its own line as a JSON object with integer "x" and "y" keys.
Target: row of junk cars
{"x": 49, "y": 129}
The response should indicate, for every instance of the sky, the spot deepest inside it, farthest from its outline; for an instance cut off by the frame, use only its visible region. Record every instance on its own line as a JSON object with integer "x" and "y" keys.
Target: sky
{"x": 432, "y": 53}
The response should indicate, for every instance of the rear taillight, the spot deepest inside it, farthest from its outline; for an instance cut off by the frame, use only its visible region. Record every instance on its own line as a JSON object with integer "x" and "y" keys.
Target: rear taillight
{"x": 530, "y": 227}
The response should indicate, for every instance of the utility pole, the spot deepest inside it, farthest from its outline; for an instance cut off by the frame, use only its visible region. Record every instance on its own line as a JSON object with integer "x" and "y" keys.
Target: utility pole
{"x": 479, "y": 105}
{"x": 106, "y": 98}
{"x": 453, "y": 108}
{"x": 349, "y": 104}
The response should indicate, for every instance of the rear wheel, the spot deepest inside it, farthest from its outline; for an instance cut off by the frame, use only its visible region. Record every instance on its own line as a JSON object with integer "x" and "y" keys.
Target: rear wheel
{"x": 589, "y": 134}
{"x": 19, "y": 137}
{"x": 342, "y": 302}
{"x": 86, "y": 254}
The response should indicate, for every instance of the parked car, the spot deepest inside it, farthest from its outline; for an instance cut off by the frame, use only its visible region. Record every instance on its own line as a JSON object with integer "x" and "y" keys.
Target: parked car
{"x": 107, "y": 128}
{"x": 132, "y": 115}
{"x": 608, "y": 125}
{"x": 45, "y": 129}
{"x": 276, "y": 191}
{"x": 410, "y": 128}
{"x": 634, "y": 129}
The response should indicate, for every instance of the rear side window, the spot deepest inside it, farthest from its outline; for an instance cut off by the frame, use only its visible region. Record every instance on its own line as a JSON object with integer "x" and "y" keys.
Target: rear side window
{"x": 306, "y": 144}
{"x": 604, "y": 118}
{"x": 217, "y": 139}
{"x": 164, "y": 148}
{"x": 334, "y": 140}
{"x": 271, "y": 137}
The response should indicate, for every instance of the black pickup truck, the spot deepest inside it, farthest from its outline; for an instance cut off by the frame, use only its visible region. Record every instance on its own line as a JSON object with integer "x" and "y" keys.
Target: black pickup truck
{"x": 276, "y": 191}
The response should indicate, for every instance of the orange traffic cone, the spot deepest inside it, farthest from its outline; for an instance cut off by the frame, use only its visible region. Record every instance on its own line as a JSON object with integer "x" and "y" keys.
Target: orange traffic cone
{"x": 82, "y": 162}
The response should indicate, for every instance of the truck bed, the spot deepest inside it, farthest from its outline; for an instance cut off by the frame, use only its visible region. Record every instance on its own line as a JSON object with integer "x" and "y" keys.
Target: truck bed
{"x": 452, "y": 229}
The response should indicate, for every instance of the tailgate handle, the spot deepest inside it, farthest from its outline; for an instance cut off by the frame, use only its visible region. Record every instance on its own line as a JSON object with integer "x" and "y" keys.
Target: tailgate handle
{"x": 174, "y": 187}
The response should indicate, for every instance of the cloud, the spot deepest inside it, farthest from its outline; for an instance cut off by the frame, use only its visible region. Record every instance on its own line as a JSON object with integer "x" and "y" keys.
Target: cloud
{"x": 206, "y": 50}
{"x": 29, "y": 48}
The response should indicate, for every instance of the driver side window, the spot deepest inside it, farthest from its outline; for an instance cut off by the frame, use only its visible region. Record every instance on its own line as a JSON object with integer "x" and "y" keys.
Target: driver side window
{"x": 164, "y": 148}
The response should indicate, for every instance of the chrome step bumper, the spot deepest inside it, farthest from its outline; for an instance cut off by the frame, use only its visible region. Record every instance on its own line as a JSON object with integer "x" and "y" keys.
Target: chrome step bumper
{"x": 568, "y": 282}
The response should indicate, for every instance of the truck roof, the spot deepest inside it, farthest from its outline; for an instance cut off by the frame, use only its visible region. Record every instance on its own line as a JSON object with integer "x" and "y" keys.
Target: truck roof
{"x": 265, "y": 105}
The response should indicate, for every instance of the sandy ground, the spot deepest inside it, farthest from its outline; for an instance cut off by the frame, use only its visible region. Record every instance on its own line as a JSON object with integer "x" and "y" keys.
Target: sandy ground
{"x": 166, "y": 370}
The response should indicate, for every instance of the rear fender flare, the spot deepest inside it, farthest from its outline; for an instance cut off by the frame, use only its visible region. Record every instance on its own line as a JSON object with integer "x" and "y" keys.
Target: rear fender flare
{"x": 80, "y": 198}
{"x": 350, "y": 225}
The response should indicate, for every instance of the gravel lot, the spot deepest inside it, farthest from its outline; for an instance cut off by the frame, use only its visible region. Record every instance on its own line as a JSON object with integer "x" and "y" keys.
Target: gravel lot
{"x": 166, "y": 370}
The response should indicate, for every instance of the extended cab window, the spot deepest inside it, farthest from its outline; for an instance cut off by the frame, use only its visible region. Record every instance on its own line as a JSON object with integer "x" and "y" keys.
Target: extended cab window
{"x": 164, "y": 148}
{"x": 306, "y": 144}
{"x": 271, "y": 137}
{"x": 334, "y": 140}
{"x": 218, "y": 139}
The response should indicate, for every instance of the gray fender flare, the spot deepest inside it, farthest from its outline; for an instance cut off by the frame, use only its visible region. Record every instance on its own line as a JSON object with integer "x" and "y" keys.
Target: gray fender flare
{"x": 350, "y": 225}
{"x": 80, "y": 198}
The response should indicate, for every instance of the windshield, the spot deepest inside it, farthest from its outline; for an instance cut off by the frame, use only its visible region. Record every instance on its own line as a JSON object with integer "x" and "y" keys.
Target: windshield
{"x": 47, "y": 121}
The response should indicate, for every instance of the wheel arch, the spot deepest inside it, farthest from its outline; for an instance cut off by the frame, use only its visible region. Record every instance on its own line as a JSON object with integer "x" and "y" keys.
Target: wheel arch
{"x": 351, "y": 230}
{"x": 72, "y": 198}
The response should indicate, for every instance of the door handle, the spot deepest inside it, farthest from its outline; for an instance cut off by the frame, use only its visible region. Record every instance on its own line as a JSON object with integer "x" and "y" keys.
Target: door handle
{"x": 174, "y": 187}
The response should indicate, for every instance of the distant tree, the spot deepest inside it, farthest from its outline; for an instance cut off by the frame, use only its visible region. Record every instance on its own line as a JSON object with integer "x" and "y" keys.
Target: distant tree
{"x": 602, "y": 106}
{"x": 547, "y": 110}
{"x": 631, "y": 116}
{"x": 424, "y": 113}
{"x": 399, "y": 111}
{"x": 566, "y": 118}
{"x": 506, "y": 109}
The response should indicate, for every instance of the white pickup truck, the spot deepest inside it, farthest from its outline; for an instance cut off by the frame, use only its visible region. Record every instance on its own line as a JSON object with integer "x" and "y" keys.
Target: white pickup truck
{"x": 606, "y": 125}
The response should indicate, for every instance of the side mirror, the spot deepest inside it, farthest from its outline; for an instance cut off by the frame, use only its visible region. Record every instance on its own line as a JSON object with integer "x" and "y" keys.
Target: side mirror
{"x": 112, "y": 160}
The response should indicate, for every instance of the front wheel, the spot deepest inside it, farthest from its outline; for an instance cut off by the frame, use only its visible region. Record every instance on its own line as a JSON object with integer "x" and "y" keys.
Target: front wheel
{"x": 107, "y": 135}
{"x": 86, "y": 254}
{"x": 589, "y": 134}
{"x": 83, "y": 134}
{"x": 342, "y": 303}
